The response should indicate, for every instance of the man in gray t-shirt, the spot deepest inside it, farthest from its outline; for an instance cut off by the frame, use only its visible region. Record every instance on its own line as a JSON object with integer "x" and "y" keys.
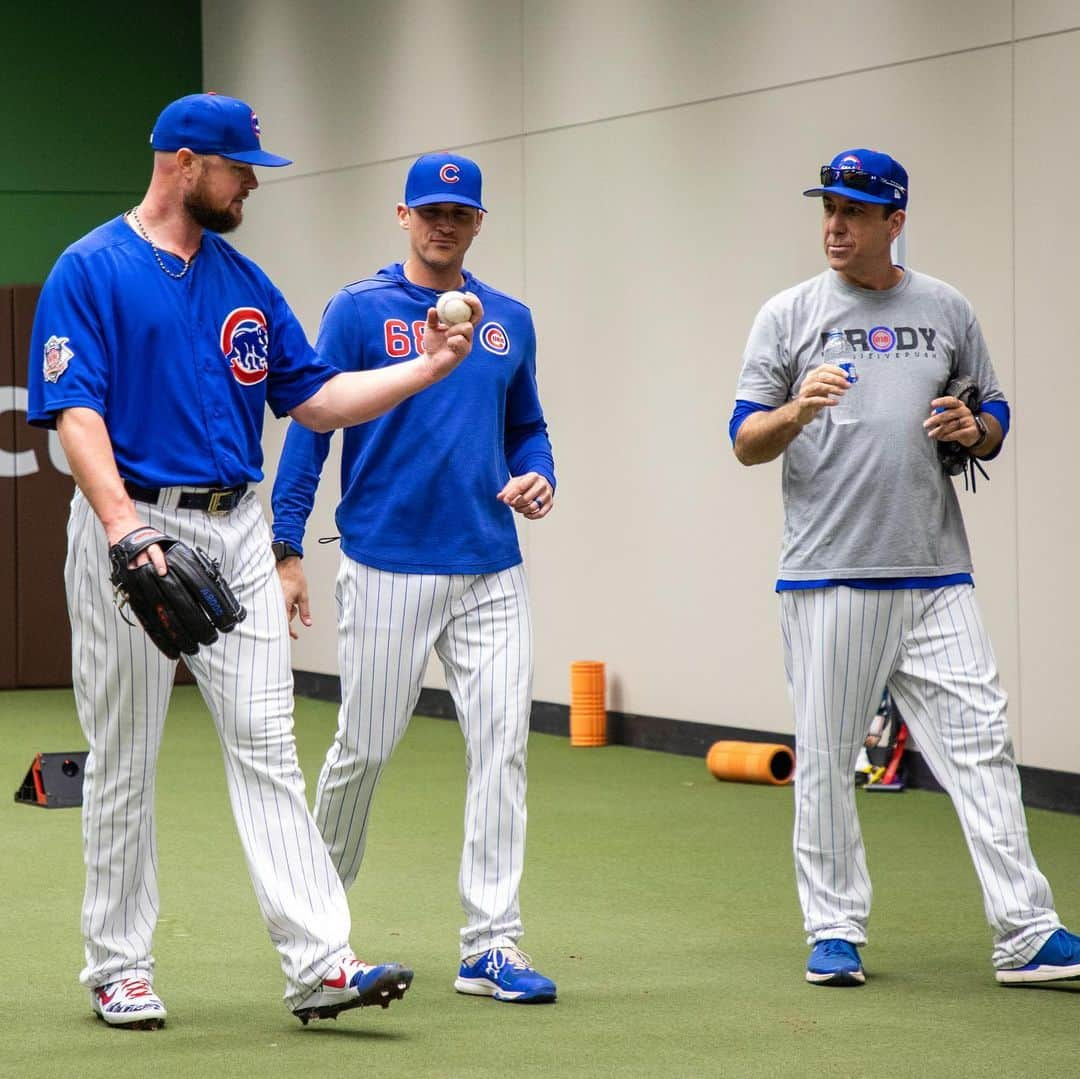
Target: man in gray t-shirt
{"x": 875, "y": 573}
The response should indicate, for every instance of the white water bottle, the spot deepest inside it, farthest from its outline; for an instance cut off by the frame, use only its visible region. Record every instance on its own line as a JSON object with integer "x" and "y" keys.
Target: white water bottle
{"x": 839, "y": 352}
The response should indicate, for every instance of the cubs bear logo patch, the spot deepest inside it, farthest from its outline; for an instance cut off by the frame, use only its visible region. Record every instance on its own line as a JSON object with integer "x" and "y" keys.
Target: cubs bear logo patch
{"x": 57, "y": 357}
{"x": 245, "y": 343}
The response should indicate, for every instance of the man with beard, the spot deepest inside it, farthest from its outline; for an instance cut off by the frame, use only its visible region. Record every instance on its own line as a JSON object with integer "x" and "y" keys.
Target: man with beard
{"x": 156, "y": 347}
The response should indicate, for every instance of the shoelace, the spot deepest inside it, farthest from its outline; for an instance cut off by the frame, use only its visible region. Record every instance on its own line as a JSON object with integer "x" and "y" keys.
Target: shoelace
{"x": 352, "y": 964}
{"x": 137, "y": 987}
{"x": 514, "y": 957}
{"x": 836, "y": 947}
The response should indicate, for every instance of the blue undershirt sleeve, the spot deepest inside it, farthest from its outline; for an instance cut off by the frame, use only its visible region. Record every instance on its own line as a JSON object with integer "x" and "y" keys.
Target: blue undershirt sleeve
{"x": 1001, "y": 412}
{"x": 742, "y": 410}
{"x": 304, "y": 452}
{"x": 296, "y": 482}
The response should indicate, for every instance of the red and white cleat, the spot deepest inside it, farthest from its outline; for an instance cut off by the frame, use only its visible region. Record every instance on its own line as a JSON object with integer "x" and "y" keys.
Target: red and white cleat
{"x": 129, "y": 1003}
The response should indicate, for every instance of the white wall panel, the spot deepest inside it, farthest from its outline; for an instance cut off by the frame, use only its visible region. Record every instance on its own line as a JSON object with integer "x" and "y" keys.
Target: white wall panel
{"x": 643, "y": 163}
{"x": 1046, "y": 16}
{"x": 1047, "y": 389}
{"x": 338, "y": 83}
{"x": 587, "y": 61}
{"x": 664, "y": 548}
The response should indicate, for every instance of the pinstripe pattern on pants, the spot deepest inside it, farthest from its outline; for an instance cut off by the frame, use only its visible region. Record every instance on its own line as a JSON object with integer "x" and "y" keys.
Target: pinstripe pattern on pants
{"x": 122, "y": 689}
{"x": 481, "y": 629}
{"x": 842, "y": 646}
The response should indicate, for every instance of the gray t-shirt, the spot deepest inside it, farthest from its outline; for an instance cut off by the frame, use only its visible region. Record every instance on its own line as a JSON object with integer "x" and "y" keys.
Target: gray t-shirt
{"x": 869, "y": 499}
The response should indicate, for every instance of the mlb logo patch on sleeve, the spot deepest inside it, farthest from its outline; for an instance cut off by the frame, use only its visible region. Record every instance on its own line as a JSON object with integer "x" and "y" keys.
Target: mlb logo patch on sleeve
{"x": 57, "y": 357}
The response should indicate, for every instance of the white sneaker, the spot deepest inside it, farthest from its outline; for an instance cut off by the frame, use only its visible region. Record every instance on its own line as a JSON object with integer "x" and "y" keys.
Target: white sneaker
{"x": 355, "y": 985}
{"x": 129, "y": 1003}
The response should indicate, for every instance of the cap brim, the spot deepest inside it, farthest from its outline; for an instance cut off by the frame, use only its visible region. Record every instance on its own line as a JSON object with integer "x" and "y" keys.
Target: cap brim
{"x": 850, "y": 193}
{"x": 258, "y": 157}
{"x": 461, "y": 200}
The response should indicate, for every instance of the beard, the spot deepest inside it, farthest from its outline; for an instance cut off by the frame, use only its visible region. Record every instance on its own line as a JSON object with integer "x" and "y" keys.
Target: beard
{"x": 210, "y": 217}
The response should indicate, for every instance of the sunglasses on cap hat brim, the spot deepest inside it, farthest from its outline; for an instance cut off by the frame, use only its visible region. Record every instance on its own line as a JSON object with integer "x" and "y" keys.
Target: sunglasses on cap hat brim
{"x": 856, "y": 180}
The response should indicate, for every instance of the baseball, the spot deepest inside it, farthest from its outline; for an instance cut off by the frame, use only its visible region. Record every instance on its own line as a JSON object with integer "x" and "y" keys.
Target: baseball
{"x": 453, "y": 308}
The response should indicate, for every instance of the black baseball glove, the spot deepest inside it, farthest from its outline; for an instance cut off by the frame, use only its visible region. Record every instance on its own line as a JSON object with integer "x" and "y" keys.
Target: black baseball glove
{"x": 953, "y": 456}
{"x": 183, "y": 609}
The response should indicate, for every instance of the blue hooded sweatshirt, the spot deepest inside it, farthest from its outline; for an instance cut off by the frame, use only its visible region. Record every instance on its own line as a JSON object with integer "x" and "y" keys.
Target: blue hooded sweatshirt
{"x": 419, "y": 483}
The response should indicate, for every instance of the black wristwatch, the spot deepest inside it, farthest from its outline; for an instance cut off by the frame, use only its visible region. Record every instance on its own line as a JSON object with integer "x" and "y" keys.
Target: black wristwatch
{"x": 984, "y": 433}
{"x": 283, "y": 549}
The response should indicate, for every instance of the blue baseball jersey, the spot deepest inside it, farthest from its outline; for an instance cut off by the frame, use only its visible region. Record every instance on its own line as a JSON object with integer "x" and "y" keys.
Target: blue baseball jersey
{"x": 180, "y": 370}
{"x": 419, "y": 483}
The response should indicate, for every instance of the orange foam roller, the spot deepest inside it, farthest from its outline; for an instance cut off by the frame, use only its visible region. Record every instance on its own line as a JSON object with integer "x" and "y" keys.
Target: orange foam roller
{"x": 751, "y": 762}
{"x": 588, "y": 714}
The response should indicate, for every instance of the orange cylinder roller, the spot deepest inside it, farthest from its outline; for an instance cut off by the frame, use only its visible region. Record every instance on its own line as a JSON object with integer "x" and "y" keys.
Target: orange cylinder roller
{"x": 751, "y": 762}
{"x": 588, "y": 708}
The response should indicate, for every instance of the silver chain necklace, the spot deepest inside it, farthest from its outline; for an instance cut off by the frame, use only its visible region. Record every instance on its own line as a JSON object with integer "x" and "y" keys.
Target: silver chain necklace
{"x": 157, "y": 254}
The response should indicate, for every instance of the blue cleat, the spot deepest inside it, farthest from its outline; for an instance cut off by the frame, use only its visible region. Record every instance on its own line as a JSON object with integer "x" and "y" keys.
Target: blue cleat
{"x": 1056, "y": 961}
{"x": 834, "y": 962}
{"x": 505, "y": 974}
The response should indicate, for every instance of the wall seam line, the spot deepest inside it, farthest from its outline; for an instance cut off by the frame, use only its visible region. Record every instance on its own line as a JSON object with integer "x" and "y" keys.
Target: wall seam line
{"x": 1017, "y": 450}
{"x": 1010, "y": 43}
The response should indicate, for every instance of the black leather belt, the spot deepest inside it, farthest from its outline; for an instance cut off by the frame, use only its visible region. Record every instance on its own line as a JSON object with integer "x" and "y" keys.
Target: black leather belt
{"x": 212, "y": 500}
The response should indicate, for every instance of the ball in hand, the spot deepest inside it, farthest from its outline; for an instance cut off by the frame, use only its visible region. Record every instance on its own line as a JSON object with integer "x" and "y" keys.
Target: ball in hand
{"x": 452, "y": 308}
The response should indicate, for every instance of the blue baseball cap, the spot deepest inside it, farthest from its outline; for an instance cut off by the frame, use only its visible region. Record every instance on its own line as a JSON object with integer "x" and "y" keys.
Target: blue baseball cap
{"x": 864, "y": 176}
{"x": 213, "y": 124}
{"x": 443, "y": 178}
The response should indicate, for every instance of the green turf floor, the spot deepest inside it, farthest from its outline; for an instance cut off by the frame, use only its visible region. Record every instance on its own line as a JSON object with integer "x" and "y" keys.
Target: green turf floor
{"x": 661, "y": 901}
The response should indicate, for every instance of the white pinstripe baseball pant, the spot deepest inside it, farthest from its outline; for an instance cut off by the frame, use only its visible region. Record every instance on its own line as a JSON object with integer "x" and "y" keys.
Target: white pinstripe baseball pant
{"x": 842, "y": 646}
{"x": 122, "y": 688}
{"x": 481, "y": 628}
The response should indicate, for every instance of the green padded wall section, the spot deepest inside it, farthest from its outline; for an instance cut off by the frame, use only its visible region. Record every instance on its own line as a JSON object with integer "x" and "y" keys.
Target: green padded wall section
{"x": 81, "y": 85}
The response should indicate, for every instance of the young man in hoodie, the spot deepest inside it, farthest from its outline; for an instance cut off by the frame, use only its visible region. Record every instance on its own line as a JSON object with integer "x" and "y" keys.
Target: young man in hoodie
{"x": 430, "y": 559}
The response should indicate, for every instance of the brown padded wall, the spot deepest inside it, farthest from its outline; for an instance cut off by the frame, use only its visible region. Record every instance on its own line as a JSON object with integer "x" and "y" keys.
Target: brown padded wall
{"x": 8, "y": 420}
{"x": 43, "y": 642}
{"x": 35, "y": 643}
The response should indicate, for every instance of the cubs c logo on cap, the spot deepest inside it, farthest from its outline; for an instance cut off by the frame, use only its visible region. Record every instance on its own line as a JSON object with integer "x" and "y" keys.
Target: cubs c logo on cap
{"x": 495, "y": 339}
{"x": 245, "y": 343}
{"x": 255, "y": 125}
{"x": 449, "y": 173}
